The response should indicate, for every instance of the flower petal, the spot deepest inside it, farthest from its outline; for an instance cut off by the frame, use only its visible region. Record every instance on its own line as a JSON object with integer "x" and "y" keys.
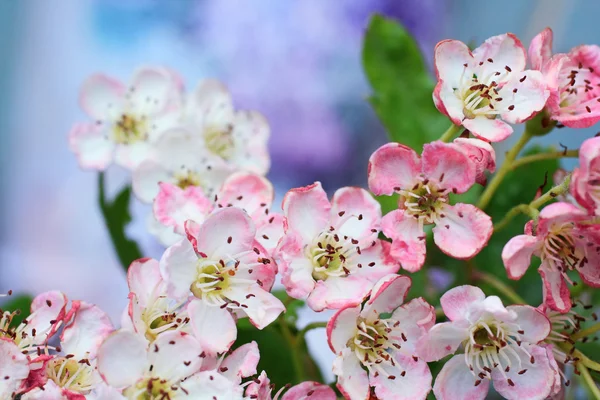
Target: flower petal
{"x": 91, "y": 146}
{"x": 173, "y": 206}
{"x": 248, "y": 191}
{"x": 493, "y": 130}
{"x": 528, "y": 100}
{"x": 145, "y": 179}
{"x": 463, "y": 230}
{"x": 482, "y": 155}
{"x": 531, "y": 321}
{"x": 47, "y": 314}
{"x": 262, "y": 308}
{"x": 408, "y": 239}
{"x": 498, "y": 52}
{"x": 352, "y": 379}
{"x": 449, "y": 166}
{"x": 143, "y": 278}
{"x": 296, "y": 270}
{"x": 306, "y": 390}
{"x": 457, "y": 301}
{"x": 416, "y": 317}
{"x": 122, "y": 359}
{"x": 178, "y": 267}
{"x": 556, "y": 292}
{"x": 387, "y": 294}
{"x": 213, "y": 326}
{"x": 86, "y": 332}
{"x": 455, "y": 381}
{"x": 154, "y": 91}
{"x": 210, "y": 385}
{"x": 415, "y": 384}
{"x": 339, "y": 292}
{"x": 540, "y": 49}
{"x": 441, "y": 340}
{"x": 241, "y": 363}
{"x": 393, "y": 166}
{"x": 174, "y": 355}
{"x": 14, "y": 368}
{"x": 227, "y": 231}
{"x": 341, "y": 328}
{"x": 355, "y": 213}
{"x": 306, "y": 210}
{"x": 450, "y": 57}
{"x": 517, "y": 253}
{"x": 101, "y": 96}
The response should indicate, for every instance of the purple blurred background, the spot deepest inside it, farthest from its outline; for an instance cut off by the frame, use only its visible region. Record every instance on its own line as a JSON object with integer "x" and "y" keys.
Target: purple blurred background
{"x": 297, "y": 62}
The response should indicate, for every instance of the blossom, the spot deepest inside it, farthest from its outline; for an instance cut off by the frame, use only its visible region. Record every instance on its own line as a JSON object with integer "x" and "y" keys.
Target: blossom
{"x": 424, "y": 183}
{"x": 151, "y": 312}
{"x": 378, "y": 351}
{"x": 237, "y": 138}
{"x": 179, "y": 158}
{"x": 585, "y": 182}
{"x": 239, "y": 364}
{"x": 48, "y": 312}
{"x": 72, "y": 373}
{"x": 221, "y": 263}
{"x": 481, "y": 154}
{"x": 253, "y": 193}
{"x": 484, "y": 89}
{"x": 14, "y": 368}
{"x": 127, "y": 120}
{"x": 564, "y": 243}
{"x": 572, "y": 79}
{"x": 330, "y": 252}
{"x": 168, "y": 368}
{"x": 260, "y": 389}
{"x": 500, "y": 344}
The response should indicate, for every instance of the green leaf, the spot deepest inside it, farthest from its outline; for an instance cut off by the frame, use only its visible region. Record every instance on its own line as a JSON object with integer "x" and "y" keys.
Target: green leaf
{"x": 20, "y": 303}
{"x": 518, "y": 187}
{"x": 402, "y": 85}
{"x": 116, "y": 217}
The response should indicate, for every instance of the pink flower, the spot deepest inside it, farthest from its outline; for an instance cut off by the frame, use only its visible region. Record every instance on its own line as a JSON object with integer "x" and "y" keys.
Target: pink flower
{"x": 223, "y": 264}
{"x": 330, "y": 252}
{"x": 253, "y": 193}
{"x": 72, "y": 373}
{"x": 424, "y": 183}
{"x": 127, "y": 121}
{"x": 151, "y": 312}
{"x": 14, "y": 368}
{"x": 48, "y": 312}
{"x": 238, "y": 138}
{"x": 237, "y": 365}
{"x": 178, "y": 158}
{"x": 563, "y": 244}
{"x": 260, "y": 389}
{"x": 500, "y": 344}
{"x": 169, "y": 367}
{"x": 487, "y": 88}
{"x": 585, "y": 183}
{"x": 481, "y": 154}
{"x": 378, "y": 351}
{"x": 572, "y": 79}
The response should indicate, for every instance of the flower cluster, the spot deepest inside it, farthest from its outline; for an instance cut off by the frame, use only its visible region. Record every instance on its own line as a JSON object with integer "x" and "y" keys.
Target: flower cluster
{"x": 202, "y": 165}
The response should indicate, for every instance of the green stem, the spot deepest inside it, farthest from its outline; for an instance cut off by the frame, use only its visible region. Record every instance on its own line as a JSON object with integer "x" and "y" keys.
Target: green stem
{"x": 544, "y": 156}
{"x": 587, "y": 377}
{"x": 450, "y": 133}
{"x": 289, "y": 337}
{"x": 552, "y": 193}
{"x": 513, "y": 212}
{"x": 586, "y": 332}
{"x": 500, "y": 286}
{"x": 491, "y": 188}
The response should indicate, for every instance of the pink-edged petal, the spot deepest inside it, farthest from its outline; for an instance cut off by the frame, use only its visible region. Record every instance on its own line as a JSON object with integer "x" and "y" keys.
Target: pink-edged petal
{"x": 173, "y": 206}
{"x": 154, "y": 91}
{"x": 213, "y": 326}
{"x": 408, "y": 239}
{"x": 259, "y": 388}
{"x": 387, "y": 294}
{"x": 241, "y": 363}
{"x": 308, "y": 390}
{"x": 449, "y": 166}
{"x": 86, "y": 332}
{"x": 122, "y": 359}
{"x": 92, "y": 148}
{"x": 536, "y": 383}
{"x": 517, "y": 253}
{"x": 352, "y": 381}
{"x": 341, "y": 328}
{"x": 270, "y": 231}
{"x": 448, "y": 102}
{"x": 450, "y": 57}
{"x": 246, "y": 190}
{"x": 210, "y": 385}
{"x": 226, "y": 231}
{"x": 143, "y": 278}
{"x": 47, "y": 313}
{"x": 463, "y": 230}
{"x": 535, "y": 325}
{"x": 557, "y": 213}
{"x": 393, "y": 166}
{"x": 178, "y": 267}
{"x": 540, "y": 49}
{"x": 415, "y": 384}
{"x": 339, "y": 292}
{"x": 441, "y": 340}
{"x": 306, "y": 210}
{"x": 262, "y": 307}
{"x": 101, "y": 96}
{"x": 354, "y": 212}
{"x": 416, "y": 318}
{"x": 175, "y": 355}
{"x": 498, "y": 52}
{"x": 590, "y": 271}
{"x": 493, "y": 130}
{"x": 455, "y": 381}
{"x": 457, "y": 301}
{"x": 481, "y": 154}
{"x": 529, "y": 99}
{"x": 556, "y": 292}
{"x": 14, "y": 368}
{"x": 296, "y": 270}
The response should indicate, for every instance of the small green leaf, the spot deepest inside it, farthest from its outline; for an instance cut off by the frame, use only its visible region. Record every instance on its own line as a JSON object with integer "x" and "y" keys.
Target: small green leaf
{"x": 21, "y": 303}
{"x": 402, "y": 85}
{"x": 116, "y": 217}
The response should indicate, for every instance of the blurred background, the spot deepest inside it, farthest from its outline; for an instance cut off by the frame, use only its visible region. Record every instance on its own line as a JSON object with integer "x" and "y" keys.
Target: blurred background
{"x": 297, "y": 62}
